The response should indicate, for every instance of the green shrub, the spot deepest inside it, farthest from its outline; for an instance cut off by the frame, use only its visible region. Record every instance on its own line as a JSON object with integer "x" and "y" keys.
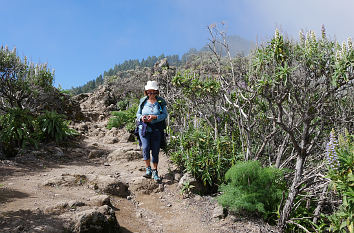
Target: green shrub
{"x": 341, "y": 163}
{"x": 206, "y": 158}
{"x": 17, "y": 129}
{"x": 123, "y": 118}
{"x": 123, "y": 104}
{"x": 253, "y": 189}
{"x": 53, "y": 126}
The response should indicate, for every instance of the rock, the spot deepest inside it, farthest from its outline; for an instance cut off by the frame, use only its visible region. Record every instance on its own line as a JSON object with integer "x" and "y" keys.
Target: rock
{"x": 169, "y": 177}
{"x": 73, "y": 204}
{"x": 161, "y": 64}
{"x": 58, "y": 152}
{"x": 100, "y": 220}
{"x": 121, "y": 153}
{"x": 133, "y": 155}
{"x": 100, "y": 200}
{"x": 161, "y": 188}
{"x": 96, "y": 154}
{"x": 127, "y": 137}
{"x": 143, "y": 185}
{"x": 218, "y": 212}
{"x": 110, "y": 140}
{"x": 66, "y": 180}
{"x": 109, "y": 185}
{"x": 177, "y": 176}
{"x": 83, "y": 127}
{"x": 57, "y": 208}
{"x": 195, "y": 186}
{"x": 116, "y": 155}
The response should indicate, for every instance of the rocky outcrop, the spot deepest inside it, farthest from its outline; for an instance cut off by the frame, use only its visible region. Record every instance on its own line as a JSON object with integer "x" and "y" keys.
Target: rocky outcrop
{"x": 99, "y": 220}
{"x": 98, "y": 105}
{"x": 97, "y": 215}
{"x": 54, "y": 100}
{"x": 109, "y": 185}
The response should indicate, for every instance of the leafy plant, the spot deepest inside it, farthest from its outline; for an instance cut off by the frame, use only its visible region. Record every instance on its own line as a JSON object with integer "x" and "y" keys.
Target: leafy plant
{"x": 123, "y": 104}
{"x": 253, "y": 189}
{"x": 17, "y": 129}
{"x": 123, "y": 118}
{"x": 186, "y": 189}
{"x": 21, "y": 80}
{"x": 206, "y": 158}
{"x": 341, "y": 175}
{"x": 53, "y": 126}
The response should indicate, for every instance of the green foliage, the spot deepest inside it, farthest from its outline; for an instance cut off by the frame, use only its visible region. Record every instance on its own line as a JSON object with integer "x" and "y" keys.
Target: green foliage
{"x": 251, "y": 188}
{"x": 53, "y": 126}
{"x": 122, "y": 105}
{"x": 20, "y": 80}
{"x": 193, "y": 85}
{"x": 17, "y": 129}
{"x": 206, "y": 158}
{"x": 123, "y": 118}
{"x": 187, "y": 188}
{"x": 343, "y": 183}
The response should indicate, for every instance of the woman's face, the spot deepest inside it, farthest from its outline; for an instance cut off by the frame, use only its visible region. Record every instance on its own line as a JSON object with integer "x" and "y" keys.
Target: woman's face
{"x": 151, "y": 93}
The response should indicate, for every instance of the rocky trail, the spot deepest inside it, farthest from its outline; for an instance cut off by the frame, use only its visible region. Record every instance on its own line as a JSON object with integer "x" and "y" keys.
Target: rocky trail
{"x": 49, "y": 190}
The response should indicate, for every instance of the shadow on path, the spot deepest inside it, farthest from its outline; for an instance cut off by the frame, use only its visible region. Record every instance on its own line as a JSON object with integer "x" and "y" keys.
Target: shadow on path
{"x": 7, "y": 194}
{"x": 28, "y": 220}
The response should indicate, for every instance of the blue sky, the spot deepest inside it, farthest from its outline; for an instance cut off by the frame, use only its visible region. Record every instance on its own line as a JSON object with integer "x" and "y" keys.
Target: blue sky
{"x": 81, "y": 39}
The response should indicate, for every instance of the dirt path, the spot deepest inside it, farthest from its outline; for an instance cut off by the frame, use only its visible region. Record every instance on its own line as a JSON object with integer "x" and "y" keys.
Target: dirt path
{"x": 149, "y": 208}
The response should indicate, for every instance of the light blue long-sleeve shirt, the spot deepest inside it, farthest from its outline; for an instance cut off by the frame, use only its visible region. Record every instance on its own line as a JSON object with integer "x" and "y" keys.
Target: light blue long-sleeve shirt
{"x": 151, "y": 109}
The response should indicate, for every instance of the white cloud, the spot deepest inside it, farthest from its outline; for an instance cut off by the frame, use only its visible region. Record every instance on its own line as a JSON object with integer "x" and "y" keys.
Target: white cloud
{"x": 259, "y": 18}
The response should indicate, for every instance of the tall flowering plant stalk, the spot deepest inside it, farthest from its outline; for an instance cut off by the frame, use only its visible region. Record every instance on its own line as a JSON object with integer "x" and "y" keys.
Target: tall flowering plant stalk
{"x": 331, "y": 154}
{"x": 340, "y": 157}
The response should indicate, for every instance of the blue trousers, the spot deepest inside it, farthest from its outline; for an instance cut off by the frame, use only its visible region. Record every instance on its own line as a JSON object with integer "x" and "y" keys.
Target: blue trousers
{"x": 151, "y": 142}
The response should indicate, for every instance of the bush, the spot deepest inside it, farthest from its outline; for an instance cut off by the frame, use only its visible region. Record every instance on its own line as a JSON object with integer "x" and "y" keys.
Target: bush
{"x": 20, "y": 80}
{"x": 124, "y": 118}
{"x": 53, "y": 126}
{"x": 123, "y": 104}
{"x": 206, "y": 158}
{"x": 253, "y": 189}
{"x": 17, "y": 129}
{"x": 341, "y": 163}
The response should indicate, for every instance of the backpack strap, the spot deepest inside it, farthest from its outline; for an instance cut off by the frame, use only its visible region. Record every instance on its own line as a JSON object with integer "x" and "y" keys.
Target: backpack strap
{"x": 142, "y": 102}
{"x": 161, "y": 102}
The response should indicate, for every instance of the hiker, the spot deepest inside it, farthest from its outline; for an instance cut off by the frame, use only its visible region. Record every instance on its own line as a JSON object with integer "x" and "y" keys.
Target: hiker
{"x": 151, "y": 116}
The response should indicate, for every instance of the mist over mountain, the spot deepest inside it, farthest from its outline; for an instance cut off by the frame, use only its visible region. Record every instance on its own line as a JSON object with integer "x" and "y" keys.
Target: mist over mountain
{"x": 237, "y": 46}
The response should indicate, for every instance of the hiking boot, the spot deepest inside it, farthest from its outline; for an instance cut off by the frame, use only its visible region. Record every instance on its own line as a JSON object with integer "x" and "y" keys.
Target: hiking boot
{"x": 148, "y": 173}
{"x": 155, "y": 175}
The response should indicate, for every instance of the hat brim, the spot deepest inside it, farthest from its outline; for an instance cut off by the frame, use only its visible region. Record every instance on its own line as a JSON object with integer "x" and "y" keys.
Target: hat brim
{"x": 151, "y": 88}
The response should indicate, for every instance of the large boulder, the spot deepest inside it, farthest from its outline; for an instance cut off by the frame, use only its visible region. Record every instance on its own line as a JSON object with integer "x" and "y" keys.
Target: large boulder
{"x": 97, "y": 220}
{"x": 109, "y": 185}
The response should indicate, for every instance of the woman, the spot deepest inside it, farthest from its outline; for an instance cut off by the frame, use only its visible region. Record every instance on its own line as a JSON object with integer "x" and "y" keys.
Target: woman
{"x": 151, "y": 116}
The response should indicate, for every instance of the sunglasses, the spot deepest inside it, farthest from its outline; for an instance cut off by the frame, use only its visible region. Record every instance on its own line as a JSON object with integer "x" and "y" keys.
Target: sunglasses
{"x": 152, "y": 92}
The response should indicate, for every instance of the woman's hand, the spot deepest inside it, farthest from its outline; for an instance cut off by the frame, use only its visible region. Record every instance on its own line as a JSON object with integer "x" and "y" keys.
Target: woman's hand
{"x": 151, "y": 117}
{"x": 144, "y": 119}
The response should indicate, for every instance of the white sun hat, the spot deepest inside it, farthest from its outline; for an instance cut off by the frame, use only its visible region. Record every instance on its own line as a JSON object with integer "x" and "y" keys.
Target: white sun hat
{"x": 151, "y": 85}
